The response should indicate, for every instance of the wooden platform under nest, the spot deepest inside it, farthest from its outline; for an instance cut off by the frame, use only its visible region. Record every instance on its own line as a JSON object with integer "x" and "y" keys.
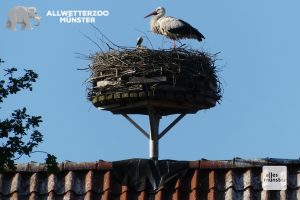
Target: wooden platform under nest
{"x": 164, "y": 103}
{"x": 168, "y": 81}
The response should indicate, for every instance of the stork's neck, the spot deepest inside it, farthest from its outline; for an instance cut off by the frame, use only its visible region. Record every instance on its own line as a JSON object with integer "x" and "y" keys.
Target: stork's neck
{"x": 155, "y": 18}
{"x": 153, "y": 22}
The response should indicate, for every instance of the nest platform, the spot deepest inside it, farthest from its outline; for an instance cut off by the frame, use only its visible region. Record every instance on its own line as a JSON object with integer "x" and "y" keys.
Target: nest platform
{"x": 134, "y": 81}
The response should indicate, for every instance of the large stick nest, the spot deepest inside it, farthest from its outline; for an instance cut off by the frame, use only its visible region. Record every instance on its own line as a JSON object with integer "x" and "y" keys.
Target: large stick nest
{"x": 127, "y": 70}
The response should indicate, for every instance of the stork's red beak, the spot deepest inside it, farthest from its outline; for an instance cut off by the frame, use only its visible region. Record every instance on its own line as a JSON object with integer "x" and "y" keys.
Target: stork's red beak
{"x": 153, "y": 13}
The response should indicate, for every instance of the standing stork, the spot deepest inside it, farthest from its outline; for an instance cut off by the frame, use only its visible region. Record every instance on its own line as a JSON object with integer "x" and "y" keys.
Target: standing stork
{"x": 139, "y": 42}
{"x": 172, "y": 27}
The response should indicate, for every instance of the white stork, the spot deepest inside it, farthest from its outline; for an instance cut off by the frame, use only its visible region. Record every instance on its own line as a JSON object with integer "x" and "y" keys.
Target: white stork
{"x": 139, "y": 42}
{"x": 171, "y": 27}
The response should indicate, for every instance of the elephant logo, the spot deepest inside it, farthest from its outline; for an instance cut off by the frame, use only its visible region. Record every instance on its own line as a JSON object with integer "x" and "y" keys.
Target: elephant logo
{"x": 22, "y": 15}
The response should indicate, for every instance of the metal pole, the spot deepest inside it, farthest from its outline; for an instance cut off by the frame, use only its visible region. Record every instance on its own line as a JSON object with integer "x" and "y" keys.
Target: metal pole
{"x": 154, "y": 133}
{"x": 136, "y": 125}
{"x": 164, "y": 132}
{"x": 154, "y": 136}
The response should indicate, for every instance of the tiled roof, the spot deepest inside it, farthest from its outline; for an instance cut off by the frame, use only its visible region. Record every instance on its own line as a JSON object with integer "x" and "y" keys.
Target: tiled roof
{"x": 141, "y": 179}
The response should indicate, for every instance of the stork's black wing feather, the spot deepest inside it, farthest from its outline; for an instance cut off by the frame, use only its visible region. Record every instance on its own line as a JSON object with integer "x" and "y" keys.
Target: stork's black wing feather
{"x": 187, "y": 29}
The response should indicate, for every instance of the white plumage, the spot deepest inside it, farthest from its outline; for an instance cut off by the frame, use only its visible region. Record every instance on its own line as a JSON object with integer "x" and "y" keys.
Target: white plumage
{"x": 172, "y": 27}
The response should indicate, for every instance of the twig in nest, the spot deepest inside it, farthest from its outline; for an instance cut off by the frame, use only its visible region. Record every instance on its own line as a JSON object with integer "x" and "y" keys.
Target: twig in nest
{"x": 90, "y": 39}
{"x": 146, "y": 36}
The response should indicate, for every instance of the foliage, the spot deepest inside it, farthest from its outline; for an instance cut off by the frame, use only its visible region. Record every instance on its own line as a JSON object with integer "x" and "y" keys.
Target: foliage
{"x": 19, "y": 134}
{"x": 52, "y": 164}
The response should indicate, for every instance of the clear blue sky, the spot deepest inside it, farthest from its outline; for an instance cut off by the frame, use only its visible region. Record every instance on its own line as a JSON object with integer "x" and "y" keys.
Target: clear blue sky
{"x": 259, "y": 68}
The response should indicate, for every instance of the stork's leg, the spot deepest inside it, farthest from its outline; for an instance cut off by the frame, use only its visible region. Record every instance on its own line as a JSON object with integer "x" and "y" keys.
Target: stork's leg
{"x": 174, "y": 44}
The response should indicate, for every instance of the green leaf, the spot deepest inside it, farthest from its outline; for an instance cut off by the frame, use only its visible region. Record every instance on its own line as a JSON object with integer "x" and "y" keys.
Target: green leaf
{"x": 52, "y": 165}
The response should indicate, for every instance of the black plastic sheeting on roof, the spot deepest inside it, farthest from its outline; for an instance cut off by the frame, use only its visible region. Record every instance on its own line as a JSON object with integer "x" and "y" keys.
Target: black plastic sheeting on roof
{"x": 144, "y": 174}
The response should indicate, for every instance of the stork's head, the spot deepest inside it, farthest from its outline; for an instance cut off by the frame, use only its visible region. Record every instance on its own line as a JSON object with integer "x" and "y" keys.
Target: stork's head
{"x": 160, "y": 11}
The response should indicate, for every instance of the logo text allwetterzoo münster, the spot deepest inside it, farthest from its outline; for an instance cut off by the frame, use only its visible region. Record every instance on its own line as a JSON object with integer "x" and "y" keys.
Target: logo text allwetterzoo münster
{"x": 77, "y": 16}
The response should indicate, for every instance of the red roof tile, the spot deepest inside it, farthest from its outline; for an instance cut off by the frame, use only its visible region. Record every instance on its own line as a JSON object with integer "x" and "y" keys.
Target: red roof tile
{"x": 131, "y": 180}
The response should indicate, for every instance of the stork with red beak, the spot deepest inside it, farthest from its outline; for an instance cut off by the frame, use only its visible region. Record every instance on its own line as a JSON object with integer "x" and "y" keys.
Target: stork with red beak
{"x": 172, "y": 27}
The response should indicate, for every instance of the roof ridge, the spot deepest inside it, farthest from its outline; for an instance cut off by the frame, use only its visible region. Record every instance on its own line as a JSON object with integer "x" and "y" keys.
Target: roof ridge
{"x": 197, "y": 164}
{"x": 64, "y": 166}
